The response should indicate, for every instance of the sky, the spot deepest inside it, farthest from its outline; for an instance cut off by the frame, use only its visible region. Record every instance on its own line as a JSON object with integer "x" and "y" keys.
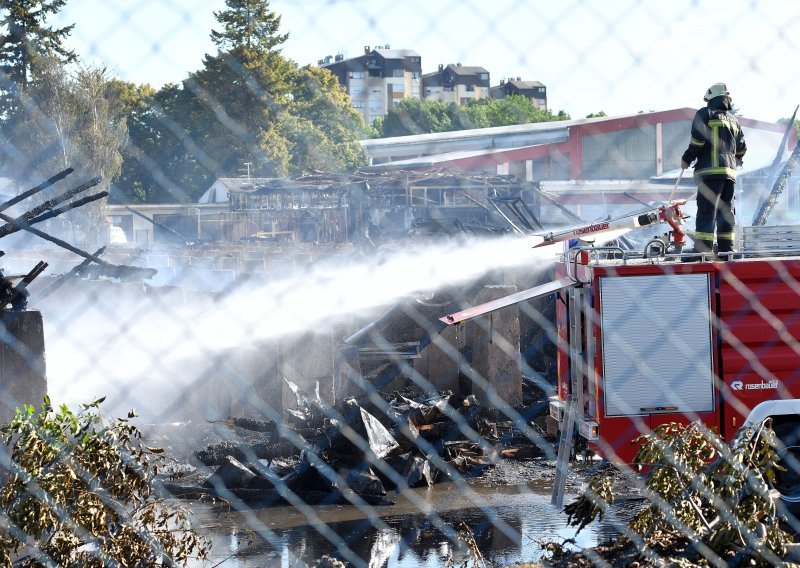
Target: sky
{"x": 616, "y": 56}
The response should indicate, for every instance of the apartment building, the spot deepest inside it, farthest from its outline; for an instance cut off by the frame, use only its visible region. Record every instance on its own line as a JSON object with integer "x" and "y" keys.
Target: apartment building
{"x": 534, "y": 91}
{"x": 456, "y": 83}
{"x": 378, "y": 79}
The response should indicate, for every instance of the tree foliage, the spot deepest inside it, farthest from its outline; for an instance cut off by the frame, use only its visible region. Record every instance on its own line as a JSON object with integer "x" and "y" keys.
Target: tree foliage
{"x": 139, "y": 105}
{"x": 160, "y": 157}
{"x": 66, "y": 119}
{"x": 247, "y": 104}
{"x": 55, "y": 115}
{"x": 248, "y": 24}
{"x": 81, "y": 493}
{"x": 319, "y": 100}
{"x": 796, "y": 123}
{"x": 707, "y": 502}
{"x": 414, "y": 116}
{"x": 26, "y": 37}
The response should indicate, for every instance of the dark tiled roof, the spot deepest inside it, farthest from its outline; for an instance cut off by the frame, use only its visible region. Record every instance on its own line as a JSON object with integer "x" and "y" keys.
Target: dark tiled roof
{"x": 464, "y": 70}
{"x": 526, "y": 84}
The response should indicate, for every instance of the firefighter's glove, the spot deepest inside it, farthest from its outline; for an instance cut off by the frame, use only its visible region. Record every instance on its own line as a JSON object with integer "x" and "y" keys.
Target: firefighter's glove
{"x": 739, "y": 162}
{"x": 684, "y": 165}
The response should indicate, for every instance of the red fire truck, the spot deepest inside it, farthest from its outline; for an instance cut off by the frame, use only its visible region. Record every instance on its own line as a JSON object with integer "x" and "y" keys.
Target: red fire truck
{"x": 646, "y": 339}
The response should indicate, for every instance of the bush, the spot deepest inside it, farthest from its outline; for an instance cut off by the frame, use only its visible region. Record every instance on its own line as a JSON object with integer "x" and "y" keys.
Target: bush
{"x": 81, "y": 493}
{"x": 706, "y": 502}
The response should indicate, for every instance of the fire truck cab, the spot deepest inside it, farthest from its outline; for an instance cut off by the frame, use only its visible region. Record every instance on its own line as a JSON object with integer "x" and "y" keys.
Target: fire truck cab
{"x": 646, "y": 341}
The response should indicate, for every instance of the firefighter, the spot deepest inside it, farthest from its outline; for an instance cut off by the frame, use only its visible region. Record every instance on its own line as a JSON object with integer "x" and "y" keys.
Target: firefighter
{"x": 718, "y": 145}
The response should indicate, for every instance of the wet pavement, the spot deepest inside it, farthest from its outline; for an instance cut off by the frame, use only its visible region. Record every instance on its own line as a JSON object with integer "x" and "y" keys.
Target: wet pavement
{"x": 509, "y": 524}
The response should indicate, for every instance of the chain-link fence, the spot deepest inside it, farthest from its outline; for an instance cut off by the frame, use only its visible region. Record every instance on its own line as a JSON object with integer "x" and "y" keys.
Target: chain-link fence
{"x": 417, "y": 285}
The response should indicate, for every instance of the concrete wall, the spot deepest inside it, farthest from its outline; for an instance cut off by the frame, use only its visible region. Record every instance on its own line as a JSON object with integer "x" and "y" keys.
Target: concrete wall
{"x": 438, "y": 361}
{"x": 491, "y": 349}
{"x": 316, "y": 358}
{"x": 22, "y": 362}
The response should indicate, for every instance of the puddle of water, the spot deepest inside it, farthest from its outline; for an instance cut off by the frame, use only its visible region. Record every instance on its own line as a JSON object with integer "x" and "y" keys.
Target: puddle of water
{"x": 508, "y": 524}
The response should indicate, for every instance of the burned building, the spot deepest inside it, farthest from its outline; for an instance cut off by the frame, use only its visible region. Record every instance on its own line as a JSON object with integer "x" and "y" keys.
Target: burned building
{"x": 329, "y": 209}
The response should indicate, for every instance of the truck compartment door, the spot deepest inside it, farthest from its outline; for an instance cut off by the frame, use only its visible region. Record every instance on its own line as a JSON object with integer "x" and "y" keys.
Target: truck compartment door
{"x": 657, "y": 346}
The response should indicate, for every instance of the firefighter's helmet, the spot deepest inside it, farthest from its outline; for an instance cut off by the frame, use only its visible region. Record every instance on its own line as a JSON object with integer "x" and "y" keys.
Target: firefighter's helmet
{"x": 716, "y": 90}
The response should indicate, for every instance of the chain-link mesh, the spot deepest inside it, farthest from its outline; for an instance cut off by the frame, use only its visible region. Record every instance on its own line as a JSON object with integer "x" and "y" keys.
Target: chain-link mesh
{"x": 374, "y": 334}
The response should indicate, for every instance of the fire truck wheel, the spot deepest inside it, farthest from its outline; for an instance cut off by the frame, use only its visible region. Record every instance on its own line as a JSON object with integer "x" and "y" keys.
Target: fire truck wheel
{"x": 788, "y": 482}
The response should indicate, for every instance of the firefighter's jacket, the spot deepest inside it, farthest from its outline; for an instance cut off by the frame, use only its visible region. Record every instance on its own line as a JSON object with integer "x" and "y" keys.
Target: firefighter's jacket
{"x": 716, "y": 141}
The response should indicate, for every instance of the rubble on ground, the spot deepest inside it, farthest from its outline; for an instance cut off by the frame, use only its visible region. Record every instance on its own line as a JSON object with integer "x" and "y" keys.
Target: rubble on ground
{"x": 370, "y": 448}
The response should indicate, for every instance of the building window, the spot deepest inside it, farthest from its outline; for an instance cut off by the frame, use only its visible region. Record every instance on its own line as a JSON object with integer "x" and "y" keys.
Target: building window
{"x": 357, "y": 75}
{"x": 397, "y": 73}
{"x": 470, "y": 88}
{"x": 484, "y": 76}
{"x": 415, "y": 75}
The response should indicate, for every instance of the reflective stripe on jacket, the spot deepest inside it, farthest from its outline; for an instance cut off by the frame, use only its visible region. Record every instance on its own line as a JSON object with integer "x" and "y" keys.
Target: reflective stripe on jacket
{"x": 716, "y": 141}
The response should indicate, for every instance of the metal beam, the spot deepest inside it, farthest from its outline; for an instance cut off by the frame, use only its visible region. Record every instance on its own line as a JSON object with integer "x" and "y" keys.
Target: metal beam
{"x": 510, "y": 300}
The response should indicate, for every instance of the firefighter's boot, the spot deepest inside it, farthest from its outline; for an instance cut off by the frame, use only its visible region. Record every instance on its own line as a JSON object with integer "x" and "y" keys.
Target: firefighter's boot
{"x": 701, "y": 247}
{"x": 724, "y": 248}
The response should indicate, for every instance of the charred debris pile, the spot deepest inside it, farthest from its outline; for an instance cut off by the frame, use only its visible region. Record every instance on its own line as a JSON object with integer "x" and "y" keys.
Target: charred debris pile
{"x": 372, "y": 446}
{"x": 390, "y": 430}
{"x": 395, "y": 434}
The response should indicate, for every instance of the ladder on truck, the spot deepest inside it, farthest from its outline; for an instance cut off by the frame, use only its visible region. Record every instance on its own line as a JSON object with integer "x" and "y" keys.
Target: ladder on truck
{"x": 564, "y": 452}
{"x": 577, "y": 299}
{"x": 581, "y": 355}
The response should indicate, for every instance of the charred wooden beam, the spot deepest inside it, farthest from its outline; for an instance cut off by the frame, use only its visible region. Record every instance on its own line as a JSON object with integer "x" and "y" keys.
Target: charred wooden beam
{"x": 23, "y": 220}
{"x": 64, "y": 278}
{"x": 122, "y": 272}
{"x": 159, "y": 225}
{"x": 34, "y": 190}
{"x": 17, "y": 295}
{"x": 26, "y": 217}
{"x": 69, "y": 206}
{"x": 104, "y": 268}
{"x": 22, "y": 224}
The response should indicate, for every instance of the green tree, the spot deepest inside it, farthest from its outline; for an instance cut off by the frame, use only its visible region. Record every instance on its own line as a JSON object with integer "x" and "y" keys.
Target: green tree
{"x": 80, "y": 493}
{"x": 238, "y": 97}
{"x": 137, "y": 104}
{"x": 703, "y": 499}
{"x": 223, "y": 115}
{"x": 319, "y": 102}
{"x": 247, "y": 104}
{"x": 157, "y": 165}
{"x": 514, "y": 109}
{"x": 67, "y": 120}
{"x": 786, "y": 121}
{"x": 24, "y": 39}
{"x": 413, "y": 116}
{"x": 248, "y": 24}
